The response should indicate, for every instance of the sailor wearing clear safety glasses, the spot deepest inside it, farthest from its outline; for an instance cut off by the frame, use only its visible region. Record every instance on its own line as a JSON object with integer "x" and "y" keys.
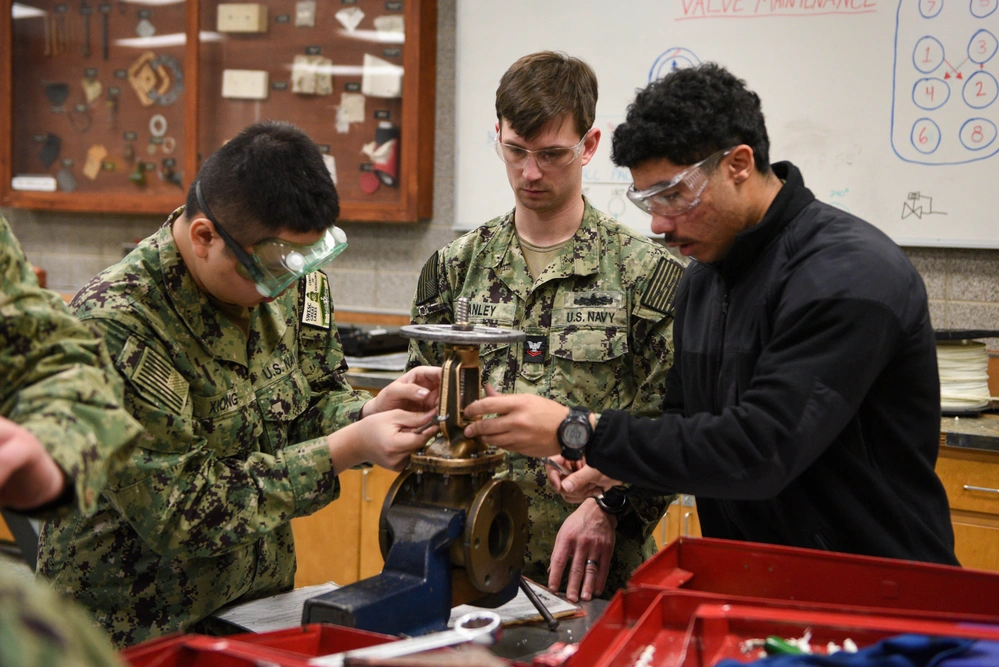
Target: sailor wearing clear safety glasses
{"x": 594, "y": 298}
{"x": 804, "y": 405}
{"x": 672, "y": 201}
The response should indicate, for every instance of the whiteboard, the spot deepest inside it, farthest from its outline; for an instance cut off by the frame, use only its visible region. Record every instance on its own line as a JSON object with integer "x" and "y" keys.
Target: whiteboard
{"x": 887, "y": 106}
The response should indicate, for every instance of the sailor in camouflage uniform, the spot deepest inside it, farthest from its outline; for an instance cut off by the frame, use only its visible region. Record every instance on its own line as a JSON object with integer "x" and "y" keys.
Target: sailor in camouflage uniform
{"x": 61, "y": 425}
{"x": 232, "y": 362}
{"x": 593, "y": 297}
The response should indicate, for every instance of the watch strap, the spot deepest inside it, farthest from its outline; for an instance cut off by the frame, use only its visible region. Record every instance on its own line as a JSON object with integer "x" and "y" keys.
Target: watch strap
{"x": 613, "y": 501}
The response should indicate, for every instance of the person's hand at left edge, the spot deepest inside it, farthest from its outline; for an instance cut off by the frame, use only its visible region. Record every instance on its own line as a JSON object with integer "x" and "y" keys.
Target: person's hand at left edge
{"x": 29, "y": 478}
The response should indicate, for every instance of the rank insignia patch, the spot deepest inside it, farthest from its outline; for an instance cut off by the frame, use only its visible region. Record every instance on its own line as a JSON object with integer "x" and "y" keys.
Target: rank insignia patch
{"x": 535, "y": 349}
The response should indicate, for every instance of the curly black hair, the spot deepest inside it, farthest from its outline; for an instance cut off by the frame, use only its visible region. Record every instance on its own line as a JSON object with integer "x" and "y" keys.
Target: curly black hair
{"x": 690, "y": 114}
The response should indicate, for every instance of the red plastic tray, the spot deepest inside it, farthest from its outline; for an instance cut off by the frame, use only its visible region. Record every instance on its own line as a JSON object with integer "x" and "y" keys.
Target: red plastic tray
{"x": 693, "y": 629}
{"x": 315, "y": 639}
{"x": 720, "y": 631}
{"x": 293, "y": 647}
{"x": 282, "y": 648}
{"x": 622, "y": 613}
{"x": 766, "y": 571}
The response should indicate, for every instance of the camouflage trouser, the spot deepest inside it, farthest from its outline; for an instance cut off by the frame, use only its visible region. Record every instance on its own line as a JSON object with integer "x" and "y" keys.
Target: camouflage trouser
{"x": 546, "y": 512}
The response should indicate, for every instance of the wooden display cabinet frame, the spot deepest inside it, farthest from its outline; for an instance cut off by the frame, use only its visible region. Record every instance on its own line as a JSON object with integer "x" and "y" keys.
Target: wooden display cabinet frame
{"x": 416, "y": 128}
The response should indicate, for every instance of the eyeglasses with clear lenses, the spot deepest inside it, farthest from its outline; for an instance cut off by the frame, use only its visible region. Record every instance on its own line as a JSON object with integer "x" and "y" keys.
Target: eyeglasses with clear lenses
{"x": 546, "y": 158}
{"x": 679, "y": 194}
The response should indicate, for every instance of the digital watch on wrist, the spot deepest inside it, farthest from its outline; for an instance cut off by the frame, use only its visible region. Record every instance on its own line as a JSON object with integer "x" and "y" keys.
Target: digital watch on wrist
{"x": 574, "y": 432}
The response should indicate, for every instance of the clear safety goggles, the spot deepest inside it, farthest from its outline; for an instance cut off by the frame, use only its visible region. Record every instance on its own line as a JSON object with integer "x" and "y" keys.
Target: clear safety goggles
{"x": 546, "y": 158}
{"x": 275, "y": 264}
{"x": 679, "y": 194}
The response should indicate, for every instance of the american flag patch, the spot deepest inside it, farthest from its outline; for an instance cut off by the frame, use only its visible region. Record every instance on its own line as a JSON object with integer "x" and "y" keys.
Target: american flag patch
{"x": 428, "y": 288}
{"x": 154, "y": 374}
{"x": 662, "y": 286}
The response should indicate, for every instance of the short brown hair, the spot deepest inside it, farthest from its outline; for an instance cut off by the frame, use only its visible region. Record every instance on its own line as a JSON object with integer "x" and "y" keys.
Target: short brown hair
{"x": 544, "y": 86}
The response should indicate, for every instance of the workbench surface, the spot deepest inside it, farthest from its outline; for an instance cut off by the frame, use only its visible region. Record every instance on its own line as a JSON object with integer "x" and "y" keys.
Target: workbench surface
{"x": 981, "y": 432}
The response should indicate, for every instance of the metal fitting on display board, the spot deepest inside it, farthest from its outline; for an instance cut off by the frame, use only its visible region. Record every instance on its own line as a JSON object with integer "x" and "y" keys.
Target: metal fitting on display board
{"x": 158, "y": 125}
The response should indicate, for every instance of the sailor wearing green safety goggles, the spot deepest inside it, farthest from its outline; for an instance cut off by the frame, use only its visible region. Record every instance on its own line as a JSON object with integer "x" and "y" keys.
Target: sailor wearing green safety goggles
{"x": 225, "y": 338}
{"x": 276, "y": 263}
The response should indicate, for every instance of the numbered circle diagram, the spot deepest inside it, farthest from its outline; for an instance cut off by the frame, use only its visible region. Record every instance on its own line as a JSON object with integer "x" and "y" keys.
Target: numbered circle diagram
{"x": 930, "y": 8}
{"x": 982, "y": 8}
{"x": 930, "y": 93}
{"x": 978, "y": 133}
{"x": 982, "y": 47}
{"x": 925, "y": 135}
{"x": 928, "y": 54}
{"x": 672, "y": 59}
{"x": 980, "y": 90}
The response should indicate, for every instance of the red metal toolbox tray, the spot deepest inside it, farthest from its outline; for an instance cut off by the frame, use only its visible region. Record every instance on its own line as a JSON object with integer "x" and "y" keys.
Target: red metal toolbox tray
{"x": 634, "y": 617}
{"x": 315, "y": 639}
{"x": 720, "y": 631}
{"x": 292, "y": 647}
{"x": 634, "y": 620}
{"x": 613, "y": 627}
{"x": 751, "y": 569}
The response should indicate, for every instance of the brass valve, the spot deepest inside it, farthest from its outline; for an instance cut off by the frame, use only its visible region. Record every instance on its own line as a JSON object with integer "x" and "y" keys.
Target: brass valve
{"x": 457, "y": 472}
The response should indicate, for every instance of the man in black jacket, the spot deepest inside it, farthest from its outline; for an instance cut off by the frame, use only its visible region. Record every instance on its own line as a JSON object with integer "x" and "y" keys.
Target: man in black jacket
{"x": 803, "y": 405}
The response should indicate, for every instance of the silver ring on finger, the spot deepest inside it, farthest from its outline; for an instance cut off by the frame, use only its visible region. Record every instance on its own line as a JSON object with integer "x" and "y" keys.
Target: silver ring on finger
{"x": 594, "y": 563}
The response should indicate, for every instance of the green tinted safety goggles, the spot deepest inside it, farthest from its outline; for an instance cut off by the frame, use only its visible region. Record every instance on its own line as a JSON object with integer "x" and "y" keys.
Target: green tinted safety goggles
{"x": 275, "y": 264}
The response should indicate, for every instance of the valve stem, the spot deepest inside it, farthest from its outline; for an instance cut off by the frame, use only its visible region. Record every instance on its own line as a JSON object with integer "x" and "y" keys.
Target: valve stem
{"x": 461, "y": 315}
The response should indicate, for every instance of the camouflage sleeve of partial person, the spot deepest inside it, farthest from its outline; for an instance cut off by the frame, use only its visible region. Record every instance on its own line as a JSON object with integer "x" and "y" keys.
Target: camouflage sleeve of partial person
{"x": 652, "y": 341}
{"x": 199, "y": 488}
{"x": 41, "y": 629}
{"x": 56, "y": 382}
{"x": 431, "y": 305}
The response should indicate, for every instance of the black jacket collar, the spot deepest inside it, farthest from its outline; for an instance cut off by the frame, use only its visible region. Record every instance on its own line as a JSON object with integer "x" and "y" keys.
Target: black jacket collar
{"x": 751, "y": 243}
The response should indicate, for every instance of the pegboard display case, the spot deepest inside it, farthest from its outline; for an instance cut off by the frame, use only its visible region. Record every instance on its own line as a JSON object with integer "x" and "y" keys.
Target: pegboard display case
{"x": 110, "y": 106}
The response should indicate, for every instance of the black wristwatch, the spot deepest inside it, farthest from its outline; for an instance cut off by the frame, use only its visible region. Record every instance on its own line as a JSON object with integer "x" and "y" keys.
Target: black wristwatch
{"x": 613, "y": 501}
{"x": 574, "y": 432}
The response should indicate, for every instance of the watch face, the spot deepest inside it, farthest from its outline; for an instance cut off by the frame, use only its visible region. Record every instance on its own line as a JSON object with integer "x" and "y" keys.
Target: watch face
{"x": 575, "y": 434}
